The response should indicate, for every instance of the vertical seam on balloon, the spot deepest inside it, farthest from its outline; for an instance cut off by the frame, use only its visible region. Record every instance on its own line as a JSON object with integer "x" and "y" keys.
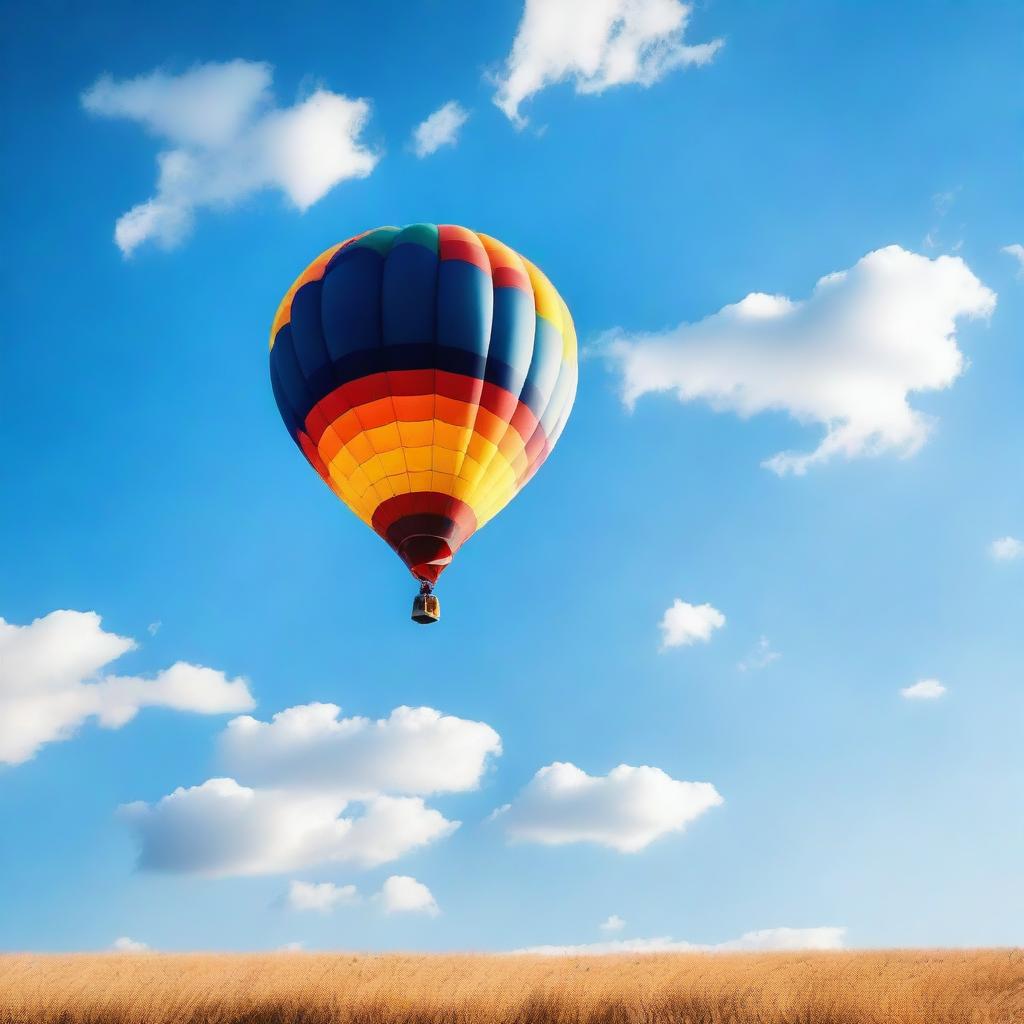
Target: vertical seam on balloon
{"x": 487, "y": 354}
{"x": 323, "y": 341}
{"x": 486, "y": 486}
{"x": 520, "y": 481}
{"x": 355, "y": 408}
{"x": 337, "y": 384}
{"x": 387, "y": 372}
{"x": 433, "y": 415}
{"x": 476, "y": 413}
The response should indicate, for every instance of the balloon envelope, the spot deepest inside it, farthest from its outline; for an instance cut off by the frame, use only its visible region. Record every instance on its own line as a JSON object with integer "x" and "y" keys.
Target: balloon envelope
{"x": 425, "y": 372}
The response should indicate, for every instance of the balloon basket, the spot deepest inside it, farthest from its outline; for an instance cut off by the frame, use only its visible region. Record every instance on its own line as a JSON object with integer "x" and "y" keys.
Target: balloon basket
{"x": 426, "y": 608}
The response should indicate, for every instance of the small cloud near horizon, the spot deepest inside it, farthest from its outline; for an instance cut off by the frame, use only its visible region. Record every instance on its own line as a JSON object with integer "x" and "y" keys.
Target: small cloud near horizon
{"x": 626, "y": 810}
{"x": 320, "y": 896}
{"x": 765, "y": 940}
{"x": 401, "y": 894}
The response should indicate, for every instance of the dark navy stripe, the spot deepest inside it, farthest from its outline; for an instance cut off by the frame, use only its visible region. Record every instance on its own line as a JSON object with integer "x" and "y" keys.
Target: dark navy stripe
{"x": 302, "y": 396}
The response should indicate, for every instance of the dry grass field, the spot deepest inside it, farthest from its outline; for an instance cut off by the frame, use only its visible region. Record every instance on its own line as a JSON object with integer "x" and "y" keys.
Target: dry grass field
{"x": 934, "y": 987}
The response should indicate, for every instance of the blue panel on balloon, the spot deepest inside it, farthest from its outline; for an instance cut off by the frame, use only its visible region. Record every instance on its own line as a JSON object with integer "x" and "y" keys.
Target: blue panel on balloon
{"x": 350, "y": 302}
{"x": 409, "y": 294}
{"x": 465, "y": 303}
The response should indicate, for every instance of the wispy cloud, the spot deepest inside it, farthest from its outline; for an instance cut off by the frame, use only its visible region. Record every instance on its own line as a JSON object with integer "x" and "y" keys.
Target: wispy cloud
{"x": 612, "y": 923}
{"x": 124, "y": 944}
{"x": 760, "y": 657}
{"x": 942, "y": 203}
{"x": 596, "y": 46}
{"x": 1016, "y": 250}
{"x": 849, "y": 357}
{"x": 441, "y": 128}
{"x": 227, "y": 140}
{"x": 768, "y": 939}
{"x": 320, "y": 896}
{"x": 1006, "y": 549}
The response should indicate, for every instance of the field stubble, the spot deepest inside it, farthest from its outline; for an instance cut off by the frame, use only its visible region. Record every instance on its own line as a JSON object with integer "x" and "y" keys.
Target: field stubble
{"x": 927, "y": 987}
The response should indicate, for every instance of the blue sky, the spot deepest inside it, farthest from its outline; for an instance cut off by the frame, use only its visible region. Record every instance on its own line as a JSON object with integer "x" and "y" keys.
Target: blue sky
{"x": 147, "y": 478}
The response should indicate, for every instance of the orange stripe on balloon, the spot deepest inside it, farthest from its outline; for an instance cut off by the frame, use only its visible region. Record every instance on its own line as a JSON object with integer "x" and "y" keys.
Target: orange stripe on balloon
{"x": 449, "y": 388}
{"x": 507, "y": 268}
{"x": 351, "y": 427}
{"x": 410, "y": 408}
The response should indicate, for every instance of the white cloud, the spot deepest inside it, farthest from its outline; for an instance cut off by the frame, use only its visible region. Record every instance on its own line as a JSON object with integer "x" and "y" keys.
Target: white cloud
{"x": 208, "y": 106}
{"x": 227, "y": 141}
{"x": 415, "y": 751}
{"x": 768, "y": 939}
{"x": 627, "y": 809}
{"x": 292, "y": 947}
{"x": 1006, "y": 549}
{"x": 51, "y": 682}
{"x": 321, "y": 896}
{"x": 613, "y": 923}
{"x": 1017, "y": 252}
{"x": 310, "y": 787}
{"x": 760, "y": 657}
{"x": 401, "y": 894}
{"x": 926, "y": 689}
{"x": 441, "y": 128}
{"x": 847, "y": 358}
{"x": 684, "y": 624}
{"x": 596, "y": 44}
{"x": 222, "y": 828}
{"x": 127, "y": 945}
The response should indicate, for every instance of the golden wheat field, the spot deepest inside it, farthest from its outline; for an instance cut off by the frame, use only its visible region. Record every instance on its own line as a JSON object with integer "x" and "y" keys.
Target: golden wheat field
{"x": 934, "y": 987}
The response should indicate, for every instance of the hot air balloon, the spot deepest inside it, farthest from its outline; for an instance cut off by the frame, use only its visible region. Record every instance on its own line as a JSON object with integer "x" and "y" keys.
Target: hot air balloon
{"x": 425, "y": 372}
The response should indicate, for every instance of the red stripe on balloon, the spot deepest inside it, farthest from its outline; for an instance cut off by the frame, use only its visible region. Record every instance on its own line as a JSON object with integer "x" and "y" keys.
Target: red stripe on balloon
{"x": 511, "y": 277}
{"x": 457, "y": 243}
{"x": 466, "y": 251}
{"x": 370, "y": 395}
{"x": 420, "y": 503}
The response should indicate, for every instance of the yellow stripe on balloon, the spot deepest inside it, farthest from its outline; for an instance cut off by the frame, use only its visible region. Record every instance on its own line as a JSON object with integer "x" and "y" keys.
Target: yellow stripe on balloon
{"x": 366, "y": 472}
{"x": 547, "y": 301}
{"x": 570, "y": 349}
